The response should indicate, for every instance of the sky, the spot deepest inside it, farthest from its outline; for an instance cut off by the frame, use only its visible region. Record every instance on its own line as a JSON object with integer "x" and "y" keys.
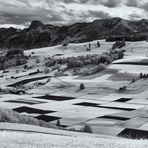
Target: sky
{"x": 19, "y": 13}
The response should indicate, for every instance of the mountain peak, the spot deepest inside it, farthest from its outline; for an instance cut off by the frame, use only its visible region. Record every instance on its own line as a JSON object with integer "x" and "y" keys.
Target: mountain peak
{"x": 39, "y": 35}
{"x": 35, "y": 24}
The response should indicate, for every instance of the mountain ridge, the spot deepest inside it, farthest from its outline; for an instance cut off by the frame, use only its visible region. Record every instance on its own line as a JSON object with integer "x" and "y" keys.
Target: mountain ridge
{"x": 39, "y": 35}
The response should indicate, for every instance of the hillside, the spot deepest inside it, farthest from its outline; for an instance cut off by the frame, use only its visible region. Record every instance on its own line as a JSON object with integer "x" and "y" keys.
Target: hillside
{"x": 40, "y": 35}
{"x": 9, "y": 116}
{"x": 101, "y": 105}
{"x": 34, "y": 140}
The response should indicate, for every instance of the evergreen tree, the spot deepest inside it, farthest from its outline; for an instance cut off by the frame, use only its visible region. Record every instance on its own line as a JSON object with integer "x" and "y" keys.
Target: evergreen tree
{"x": 58, "y": 123}
{"x": 87, "y": 129}
{"x": 82, "y": 86}
{"x": 98, "y": 44}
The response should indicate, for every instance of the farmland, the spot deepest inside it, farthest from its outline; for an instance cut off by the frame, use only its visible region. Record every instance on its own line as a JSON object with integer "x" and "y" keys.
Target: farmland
{"x": 113, "y": 101}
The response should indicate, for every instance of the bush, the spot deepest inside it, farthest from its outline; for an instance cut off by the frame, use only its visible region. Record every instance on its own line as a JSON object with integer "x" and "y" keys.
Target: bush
{"x": 25, "y": 66}
{"x": 133, "y": 80}
{"x": 65, "y": 44}
{"x": 10, "y": 116}
{"x": 38, "y": 71}
{"x": 38, "y": 60}
{"x": 58, "y": 123}
{"x": 46, "y": 70}
{"x": 88, "y": 48}
{"x": 98, "y": 44}
{"x": 87, "y": 129}
{"x": 122, "y": 89}
{"x": 82, "y": 86}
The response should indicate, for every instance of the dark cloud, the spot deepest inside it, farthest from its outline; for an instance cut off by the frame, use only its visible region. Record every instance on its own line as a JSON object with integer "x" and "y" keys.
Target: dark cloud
{"x": 107, "y": 3}
{"x": 132, "y": 3}
{"x": 134, "y": 16}
{"x": 71, "y": 1}
{"x": 111, "y": 3}
{"x": 144, "y": 6}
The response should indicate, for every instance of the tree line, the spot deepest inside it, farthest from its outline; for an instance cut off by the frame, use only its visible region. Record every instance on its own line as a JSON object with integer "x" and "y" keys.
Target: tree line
{"x": 80, "y": 61}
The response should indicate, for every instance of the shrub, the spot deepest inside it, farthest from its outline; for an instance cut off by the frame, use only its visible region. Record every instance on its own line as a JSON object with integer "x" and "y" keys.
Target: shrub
{"x": 25, "y": 66}
{"x": 58, "y": 123}
{"x": 29, "y": 56}
{"x": 89, "y": 45}
{"x": 46, "y": 70}
{"x": 38, "y": 60}
{"x": 122, "y": 89}
{"x": 145, "y": 75}
{"x": 133, "y": 80}
{"x": 118, "y": 44}
{"x": 38, "y": 71}
{"x": 65, "y": 44}
{"x": 88, "y": 48}
{"x": 98, "y": 44}
{"x": 10, "y": 116}
{"x": 82, "y": 86}
{"x": 87, "y": 129}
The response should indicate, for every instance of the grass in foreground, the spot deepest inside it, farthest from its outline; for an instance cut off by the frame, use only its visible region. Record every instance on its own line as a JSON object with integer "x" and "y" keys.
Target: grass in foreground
{"x": 33, "y": 140}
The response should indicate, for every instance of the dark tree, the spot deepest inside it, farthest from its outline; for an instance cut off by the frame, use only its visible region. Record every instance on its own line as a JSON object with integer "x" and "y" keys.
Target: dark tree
{"x": 89, "y": 45}
{"x": 98, "y": 44}
{"x": 82, "y": 86}
{"x": 141, "y": 75}
{"x": 58, "y": 123}
{"x": 87, "y": 129}
{"x": 133, "y": 80}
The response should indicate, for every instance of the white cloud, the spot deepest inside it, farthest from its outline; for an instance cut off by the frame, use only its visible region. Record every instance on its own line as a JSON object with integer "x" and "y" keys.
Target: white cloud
{"x": 20, "y": 12}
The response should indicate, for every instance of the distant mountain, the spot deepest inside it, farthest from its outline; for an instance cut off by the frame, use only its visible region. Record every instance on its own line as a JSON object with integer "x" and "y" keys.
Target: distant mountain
{"x": 40, "y": 35}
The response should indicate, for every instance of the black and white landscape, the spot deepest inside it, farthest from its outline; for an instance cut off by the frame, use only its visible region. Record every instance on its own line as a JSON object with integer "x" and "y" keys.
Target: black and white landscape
{"x": 73, "y": 73}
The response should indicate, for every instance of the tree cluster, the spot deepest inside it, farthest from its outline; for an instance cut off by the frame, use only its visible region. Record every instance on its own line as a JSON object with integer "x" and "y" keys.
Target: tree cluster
{"x": 119, "y": 44}
{"x": 143, "y": 75}
{"x": 81, "y": 61}
{"x": 132, "y": 38}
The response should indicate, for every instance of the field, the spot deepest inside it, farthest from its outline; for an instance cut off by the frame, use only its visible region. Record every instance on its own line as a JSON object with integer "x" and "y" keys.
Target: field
{"x": 100, "y": 104}
{"x": 36, "y": 140}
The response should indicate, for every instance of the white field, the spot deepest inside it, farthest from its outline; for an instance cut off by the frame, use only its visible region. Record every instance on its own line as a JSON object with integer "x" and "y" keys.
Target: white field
{"x": 35, "y": 140}
{"x": 100, "y": 89}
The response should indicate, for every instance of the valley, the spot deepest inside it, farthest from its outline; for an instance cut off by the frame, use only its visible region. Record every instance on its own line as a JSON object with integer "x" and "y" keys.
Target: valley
{"x": 113, "y": 100}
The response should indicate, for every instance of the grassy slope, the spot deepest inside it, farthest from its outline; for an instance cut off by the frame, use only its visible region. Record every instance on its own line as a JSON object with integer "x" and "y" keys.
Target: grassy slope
{"x": 10, "y": 116}
{"x": 33, "y": 140}
{"x": 13, "y": 139}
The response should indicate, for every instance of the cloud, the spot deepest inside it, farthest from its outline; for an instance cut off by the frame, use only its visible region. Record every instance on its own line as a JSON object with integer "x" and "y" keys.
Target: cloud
{"x": 144, "y": 6}
{"x": 134, "y": 16}
{"x": 59, "y": 12}
{"x": 71, "y": 1}
{"x": 132, "y": 3}
{"x": 98, "y": 14}
{"x": 111, "y": 3}
{"x": 23, "y": 11}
